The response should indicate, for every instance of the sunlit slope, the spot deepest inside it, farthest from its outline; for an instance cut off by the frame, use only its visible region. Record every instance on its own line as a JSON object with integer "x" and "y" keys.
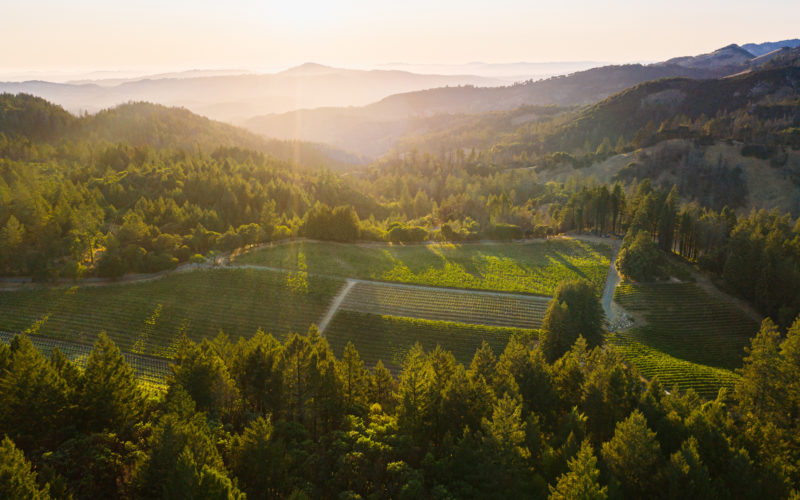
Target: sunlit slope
{"x": 533, "y": 267}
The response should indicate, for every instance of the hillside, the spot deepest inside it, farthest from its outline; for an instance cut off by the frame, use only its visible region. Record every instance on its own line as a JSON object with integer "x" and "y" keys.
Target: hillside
{"x": 730, "y": 57}
{"x": 629, "y": 111}
{"x": 373, "y": 129}
{"x": 759, "y": 49}
{"x": 152, "y": 125}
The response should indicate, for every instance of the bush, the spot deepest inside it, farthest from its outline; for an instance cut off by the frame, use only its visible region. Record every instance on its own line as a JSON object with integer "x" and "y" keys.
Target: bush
{"x": 406, "y": 234}
{"x": 502, "y": 231}
{"x": 339, "y": 224}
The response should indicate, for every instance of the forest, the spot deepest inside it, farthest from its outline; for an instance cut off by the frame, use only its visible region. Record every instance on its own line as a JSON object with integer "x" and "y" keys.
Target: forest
{"x": 265, "y": 418}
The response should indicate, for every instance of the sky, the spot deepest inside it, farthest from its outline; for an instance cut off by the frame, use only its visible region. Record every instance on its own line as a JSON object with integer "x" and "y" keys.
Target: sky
{"x": 166, "y": 35}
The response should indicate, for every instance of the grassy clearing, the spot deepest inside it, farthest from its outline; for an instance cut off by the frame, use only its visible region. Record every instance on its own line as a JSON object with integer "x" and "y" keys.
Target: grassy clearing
{"x": 532, "y": 267}
{"x": 149, "y": 317}
{"x": 705, "y": 380}
{"x": 477, "y": 308}
{"x": 388, "y": 338}
{"x": 686, "y": 323}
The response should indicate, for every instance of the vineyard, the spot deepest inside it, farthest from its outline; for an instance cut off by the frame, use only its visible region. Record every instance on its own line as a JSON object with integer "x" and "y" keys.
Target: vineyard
{"x": 671, "y": 371}
{"x": 691, "y": 339}
{"x": 388, "y": 338}
{"x": 479, "y": 308}
{"x": 150, "y": 317}
{"x": 687, "y": 323}
{"x": 532, "y": 267}
{"x": 150, "y": 371}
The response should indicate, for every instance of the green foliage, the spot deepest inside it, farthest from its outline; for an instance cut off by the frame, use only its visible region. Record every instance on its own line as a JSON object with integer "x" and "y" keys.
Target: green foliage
{"x": 641, "y": 259}
{"x": 339, "y": 224}
{"x": 582, "y": 479}
{"x": 633, "y": 456}
{"x": 676, "y": 312}
{"x": 388, "y": 338}
{"x": 574, "y": 311}
{"x": 110, "y": 398}
{"x": 236, "y": 301}
{"x": 292, "y": 419}
{"x": 17, "y": 480}
{"x": 203, "y": 375}
{"x": 34, "y": 405}
{"x": 532, "y": 267}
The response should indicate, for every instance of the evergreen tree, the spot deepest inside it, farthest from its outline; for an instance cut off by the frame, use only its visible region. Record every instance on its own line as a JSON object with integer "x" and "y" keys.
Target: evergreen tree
{"x": 761, "y": 390}
{"x": 381, "y": 387}
{"x": 17, "y": 479}
{"x": 354, "y": 377}
{"x": 203, "y": 375}
{"x": 581, "y": 482}
{"x": 632, "y": 455}
{"x": 110, "y": 397}
{"x": 33, "y": 399}
{"x": 574, "y": 311}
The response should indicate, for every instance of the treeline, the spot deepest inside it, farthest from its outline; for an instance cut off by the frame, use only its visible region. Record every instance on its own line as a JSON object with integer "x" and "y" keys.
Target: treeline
{"x": 122, "y": 209}
{"x": 757, "y": 255}
{"x": 268, "y": 418}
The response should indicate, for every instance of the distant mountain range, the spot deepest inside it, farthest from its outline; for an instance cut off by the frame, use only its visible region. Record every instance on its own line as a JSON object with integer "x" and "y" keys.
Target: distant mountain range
{"x": 367, "y": 111}
{"x": 228, "y": 97}
{"x": 373, "y": 129}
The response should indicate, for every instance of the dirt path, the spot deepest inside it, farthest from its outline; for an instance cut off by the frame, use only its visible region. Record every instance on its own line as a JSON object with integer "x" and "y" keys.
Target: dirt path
{"x": 613, "y": 310}
{"x": 335, "y": 304}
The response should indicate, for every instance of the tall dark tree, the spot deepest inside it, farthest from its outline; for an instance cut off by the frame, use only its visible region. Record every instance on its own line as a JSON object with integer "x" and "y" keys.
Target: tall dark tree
{"x": 575, "y": 310}
{"x": 110, "y": 398}
{"x": 17, "y": 479}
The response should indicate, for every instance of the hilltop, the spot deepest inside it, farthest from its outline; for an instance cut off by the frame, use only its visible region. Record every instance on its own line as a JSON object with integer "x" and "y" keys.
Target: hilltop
{"x": 152, "y": 125}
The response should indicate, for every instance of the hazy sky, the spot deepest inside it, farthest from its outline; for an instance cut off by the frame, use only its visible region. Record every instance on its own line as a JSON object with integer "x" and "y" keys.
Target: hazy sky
{"x": 180, "y": 34}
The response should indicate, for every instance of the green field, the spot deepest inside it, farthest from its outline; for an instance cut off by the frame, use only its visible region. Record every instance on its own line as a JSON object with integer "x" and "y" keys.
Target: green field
{"x": 445, "y": 304}
{"x": 534, "y": 267}
{"x": 691, "y": 338}
{"x": 671, "y": 371}
{"x": 148, "y": 317}
{"x": 388, "y": 338}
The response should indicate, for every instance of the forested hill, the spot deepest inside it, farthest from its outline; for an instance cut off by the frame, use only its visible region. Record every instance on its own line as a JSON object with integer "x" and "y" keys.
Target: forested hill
{"x": 760, "y": 108}
{"x": 144, "y": 124}
{"x": 373, "y": 129}
{"x": 767, "y": 95}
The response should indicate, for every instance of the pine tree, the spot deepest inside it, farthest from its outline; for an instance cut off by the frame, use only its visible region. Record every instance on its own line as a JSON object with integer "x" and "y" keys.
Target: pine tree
{"x": 413, "y": 391}
{"x": 33, "y": 398}
{"x": 760, "y": 391}
{"x": 581, "y": 482}
{"x": 575, "y": 310}
{"x": 632, "y": 455}
{"x": 110, "y": 398}
{"x": 17, "y": 479}
{"x": 354, "y": 377}
{"x": 382, "y": 387}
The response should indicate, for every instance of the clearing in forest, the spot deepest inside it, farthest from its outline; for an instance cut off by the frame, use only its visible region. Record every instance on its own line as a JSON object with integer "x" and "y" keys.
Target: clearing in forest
{"x": 150, "y": 317}
{"x": 535, "y": 267}
{"x": 444, "y": 304}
